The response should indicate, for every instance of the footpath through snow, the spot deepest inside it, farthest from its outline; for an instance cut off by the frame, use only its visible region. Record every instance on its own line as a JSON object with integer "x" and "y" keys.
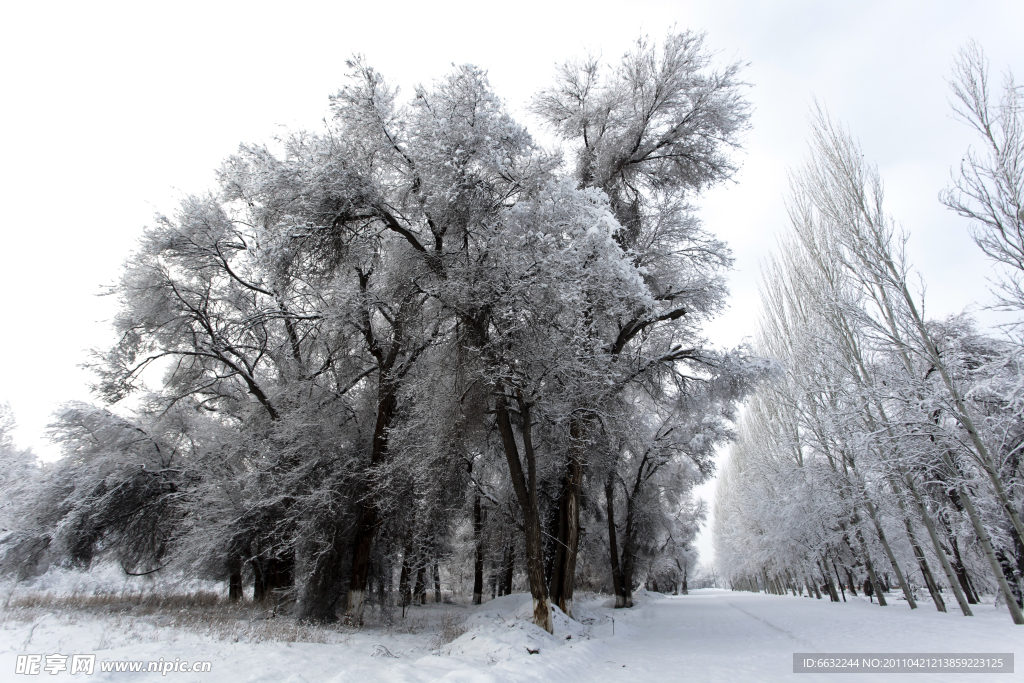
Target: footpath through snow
{"x": 708, "y": 636}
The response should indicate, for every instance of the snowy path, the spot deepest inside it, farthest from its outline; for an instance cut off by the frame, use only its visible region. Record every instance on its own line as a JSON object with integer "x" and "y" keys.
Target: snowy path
{"x": 725, "y": 636}
{"x": 708, "y": 636}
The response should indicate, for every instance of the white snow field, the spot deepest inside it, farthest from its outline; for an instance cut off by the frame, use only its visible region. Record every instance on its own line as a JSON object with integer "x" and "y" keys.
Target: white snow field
{"x": 710, "y": 635}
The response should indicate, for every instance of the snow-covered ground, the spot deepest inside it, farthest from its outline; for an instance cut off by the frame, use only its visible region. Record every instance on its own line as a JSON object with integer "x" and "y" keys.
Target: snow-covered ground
{"x": 710, "y": 635}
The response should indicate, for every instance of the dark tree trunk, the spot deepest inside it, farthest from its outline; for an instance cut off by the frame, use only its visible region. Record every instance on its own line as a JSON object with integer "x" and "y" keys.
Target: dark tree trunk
{"x": 629, "y": 543}
{"x": 552, "y": 530}
{"x": 556, "y": 554}
{"x": 813, "y": 585}
{"x": 525, "y": 486}
{"x": 324, "y": 585}
{"x": 563, "y": 576}
{"x": 926, "y": 571}
{"x": 1011, "y": 575}
{"x": 871, "y": 569}
{"x": 571, "y": 539}
{"x": 420, "y": 591}
{"x": 508, "y": 568}
{"x": 235, "y": 586}
{"x": 941, "y": 553}
{"x": 259, "y": 582}
{"x": 628, "y": 555}
{"x": 478, "y": 542}
{"x": 272, "y": 574}
{"x": 404, "y": 590}
{"x": 366, "y": 527}
{"x": 961, "y": 572}
{"x": 851, "y": 585}
{"x": 437, "y": 582}
{"x": 281, "y": 571}
{"x": 613, "y": 544}
{"x": 235, "y": 579}
{"x": 829, "y": 586}
{"x": 839, "y": 581}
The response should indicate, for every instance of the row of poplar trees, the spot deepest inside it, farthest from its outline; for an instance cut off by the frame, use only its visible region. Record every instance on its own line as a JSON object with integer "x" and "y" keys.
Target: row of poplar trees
{"x": 888, "y": 445}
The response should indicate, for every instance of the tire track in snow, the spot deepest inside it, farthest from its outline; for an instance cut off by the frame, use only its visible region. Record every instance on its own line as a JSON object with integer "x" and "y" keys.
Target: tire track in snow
{"x": 788, "y": 634}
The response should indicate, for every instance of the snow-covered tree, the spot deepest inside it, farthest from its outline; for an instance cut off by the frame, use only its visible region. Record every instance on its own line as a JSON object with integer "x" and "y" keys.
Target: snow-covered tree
{"x": 417, "y": 322}
{"x": 989, "y": 189}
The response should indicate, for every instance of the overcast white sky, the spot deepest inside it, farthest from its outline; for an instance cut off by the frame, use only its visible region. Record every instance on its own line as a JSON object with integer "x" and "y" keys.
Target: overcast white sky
{"x": 112, "y": 111}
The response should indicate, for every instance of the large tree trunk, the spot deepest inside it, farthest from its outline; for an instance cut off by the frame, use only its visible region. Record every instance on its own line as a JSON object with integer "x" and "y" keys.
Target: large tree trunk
{"x": 525, "y": 486}
{"x": 282, "y": 571}
{"x": 366, "y": 527}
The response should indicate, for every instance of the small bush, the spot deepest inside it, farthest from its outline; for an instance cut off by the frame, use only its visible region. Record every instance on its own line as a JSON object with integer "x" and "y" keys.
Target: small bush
{"x": 451, "y": 628}
{"x": 200, "y": 612}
